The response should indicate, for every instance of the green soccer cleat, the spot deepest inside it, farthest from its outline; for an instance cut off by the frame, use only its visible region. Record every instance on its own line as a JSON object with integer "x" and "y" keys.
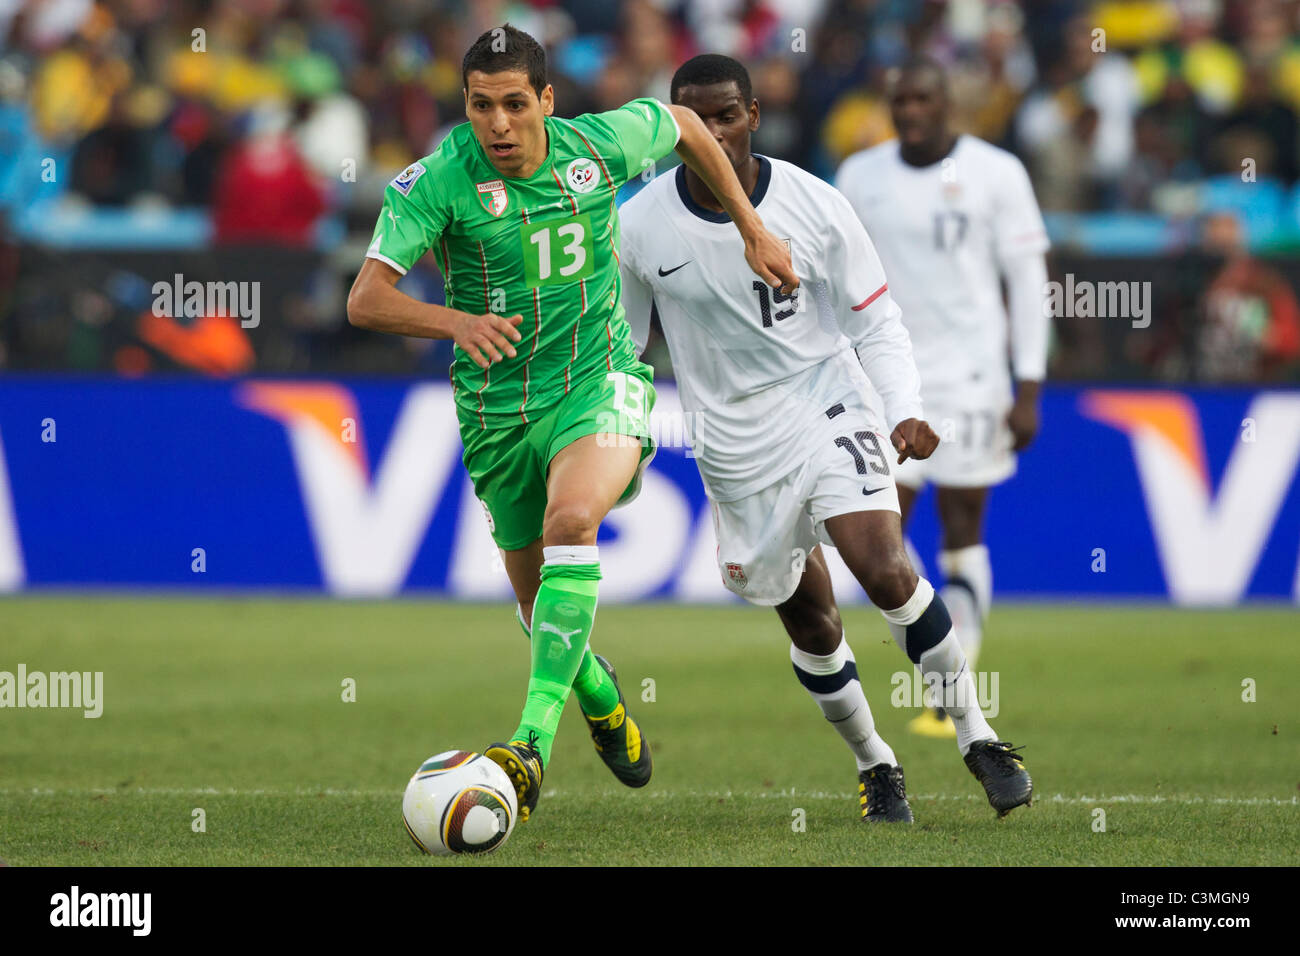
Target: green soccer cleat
{"x": 523, "y": 765}
{"x": 883, "y": 795}
{"x": 618, "y": 739}
{"x": 1001, "y": 770}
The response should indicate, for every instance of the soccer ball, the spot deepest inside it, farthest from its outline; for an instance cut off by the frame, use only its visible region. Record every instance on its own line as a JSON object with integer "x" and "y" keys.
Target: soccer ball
{"x": 459, "y": 802}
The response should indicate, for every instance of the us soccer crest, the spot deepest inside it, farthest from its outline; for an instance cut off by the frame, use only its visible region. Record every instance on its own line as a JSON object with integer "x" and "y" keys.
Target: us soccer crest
{"x": 493, "y": 196}
{"x": 582, "y": 175}
{"x": 737, "y": 575}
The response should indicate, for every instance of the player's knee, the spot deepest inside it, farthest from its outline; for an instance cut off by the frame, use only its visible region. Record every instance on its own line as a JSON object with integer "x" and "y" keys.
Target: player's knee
{"x": 574, "y": 524}
{"x": 819, "y": 634}
{"x": 814, "y": 630}
{"x": 890, "y": 582}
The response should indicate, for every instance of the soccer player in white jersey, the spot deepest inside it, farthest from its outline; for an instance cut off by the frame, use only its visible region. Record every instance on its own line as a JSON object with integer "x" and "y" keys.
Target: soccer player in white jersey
{"x": 952, "y": 217}
{"x": 785, "y": 429}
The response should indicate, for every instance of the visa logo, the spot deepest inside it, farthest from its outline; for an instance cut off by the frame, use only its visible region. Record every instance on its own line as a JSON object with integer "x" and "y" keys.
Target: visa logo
{"x": 1210, "y": 541}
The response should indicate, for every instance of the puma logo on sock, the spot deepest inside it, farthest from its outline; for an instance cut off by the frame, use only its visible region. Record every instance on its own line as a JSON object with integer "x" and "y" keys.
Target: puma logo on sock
{"x": 564, "y": 635}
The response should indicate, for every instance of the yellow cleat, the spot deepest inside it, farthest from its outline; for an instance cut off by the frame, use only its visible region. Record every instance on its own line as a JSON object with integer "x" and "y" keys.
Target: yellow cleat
{"x": 933, "y": 723}
{"x": 619, "y": 741}
{"x": 522, "y": 762}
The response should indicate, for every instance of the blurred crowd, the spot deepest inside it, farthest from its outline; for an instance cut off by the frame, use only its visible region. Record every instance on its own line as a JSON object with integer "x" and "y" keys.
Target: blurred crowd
{"x": 1113, "y": 105}
{"x": 274, "y": 115}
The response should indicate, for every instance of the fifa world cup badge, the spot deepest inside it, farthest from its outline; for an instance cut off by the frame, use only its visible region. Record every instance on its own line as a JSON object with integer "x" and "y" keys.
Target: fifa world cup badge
{"x": 407, "y": 177}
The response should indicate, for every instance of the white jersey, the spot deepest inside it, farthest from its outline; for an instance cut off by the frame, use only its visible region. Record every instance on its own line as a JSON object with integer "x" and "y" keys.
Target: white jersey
{"x": 946, "y": 233}
{"x": 756, "y": 370}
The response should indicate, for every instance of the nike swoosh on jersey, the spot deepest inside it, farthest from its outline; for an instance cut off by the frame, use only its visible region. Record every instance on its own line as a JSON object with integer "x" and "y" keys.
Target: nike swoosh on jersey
{"x": 671, "y": 271}
{"x": 871, "y": 491}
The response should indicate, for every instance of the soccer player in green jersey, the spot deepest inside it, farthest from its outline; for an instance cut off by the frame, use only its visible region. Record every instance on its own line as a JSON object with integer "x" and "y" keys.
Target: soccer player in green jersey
{"x": 518, "y": 208}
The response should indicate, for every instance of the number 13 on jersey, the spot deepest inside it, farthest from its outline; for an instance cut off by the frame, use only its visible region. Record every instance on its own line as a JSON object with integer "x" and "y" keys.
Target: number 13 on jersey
{"x": 557, "y": 252}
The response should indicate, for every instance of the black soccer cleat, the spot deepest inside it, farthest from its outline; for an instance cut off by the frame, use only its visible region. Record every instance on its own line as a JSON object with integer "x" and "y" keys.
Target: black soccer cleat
{"x": 619, "y": 740}
{"x": 883, "y": 795}
{"x": 522, "y": 763}
{"x": 997, "y": 765}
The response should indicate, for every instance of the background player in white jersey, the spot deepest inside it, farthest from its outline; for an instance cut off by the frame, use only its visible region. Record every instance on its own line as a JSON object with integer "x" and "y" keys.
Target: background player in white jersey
{"x": 952, "y": 217}
{"x": 786, "y": 433}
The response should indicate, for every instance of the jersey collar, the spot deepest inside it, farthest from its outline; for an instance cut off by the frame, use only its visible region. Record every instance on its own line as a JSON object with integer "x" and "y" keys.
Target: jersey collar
{"x": 708, "y": 215}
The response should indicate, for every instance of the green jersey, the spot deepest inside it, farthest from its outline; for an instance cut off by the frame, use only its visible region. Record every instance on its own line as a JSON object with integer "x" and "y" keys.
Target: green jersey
{"x": 546, "y": 247}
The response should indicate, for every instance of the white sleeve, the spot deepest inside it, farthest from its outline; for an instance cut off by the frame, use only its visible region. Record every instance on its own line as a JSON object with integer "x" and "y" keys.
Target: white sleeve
{"x": 1021, "y": 242}
{"x": 1018, "y": 228}
{"x": 637, "y": 295}
{"x": 868, "y": 314}
{"x": 1030, "y": 324}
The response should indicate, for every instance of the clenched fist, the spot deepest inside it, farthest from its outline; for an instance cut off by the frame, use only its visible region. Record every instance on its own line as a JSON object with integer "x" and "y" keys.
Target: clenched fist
{"x": 914, "y": 438}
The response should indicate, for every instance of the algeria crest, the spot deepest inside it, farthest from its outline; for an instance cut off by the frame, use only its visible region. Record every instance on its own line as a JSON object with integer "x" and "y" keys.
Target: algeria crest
{"x": 582, "y": 175}
{"x": 493, "y": 196}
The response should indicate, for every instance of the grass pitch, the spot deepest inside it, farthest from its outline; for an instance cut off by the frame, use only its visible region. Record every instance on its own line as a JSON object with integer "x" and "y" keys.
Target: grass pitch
{"x": 235, "y": 707}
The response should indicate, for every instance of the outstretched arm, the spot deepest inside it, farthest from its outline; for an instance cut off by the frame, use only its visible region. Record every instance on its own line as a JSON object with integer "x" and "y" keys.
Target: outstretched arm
{"x": 766, "y": 254}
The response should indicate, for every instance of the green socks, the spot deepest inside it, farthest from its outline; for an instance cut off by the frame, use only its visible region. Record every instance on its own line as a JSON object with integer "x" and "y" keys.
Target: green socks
{"x": 596, "y": 691}
{"x": 563, "y": 615}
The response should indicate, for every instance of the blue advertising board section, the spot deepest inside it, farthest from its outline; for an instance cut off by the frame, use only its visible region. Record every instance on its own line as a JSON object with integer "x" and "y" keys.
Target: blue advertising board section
{"x": 356, "y": 488}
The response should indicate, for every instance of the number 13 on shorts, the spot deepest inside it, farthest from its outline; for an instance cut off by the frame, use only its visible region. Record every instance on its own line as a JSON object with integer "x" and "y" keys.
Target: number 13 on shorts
{"x": 629, "y": 398}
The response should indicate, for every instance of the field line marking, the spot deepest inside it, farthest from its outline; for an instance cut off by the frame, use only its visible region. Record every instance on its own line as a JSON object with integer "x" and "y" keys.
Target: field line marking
{"x": 795, "y": 794}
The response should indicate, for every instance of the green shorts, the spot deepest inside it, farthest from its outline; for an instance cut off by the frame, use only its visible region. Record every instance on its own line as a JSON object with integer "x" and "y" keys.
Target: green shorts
{"x": 509, "y": 465}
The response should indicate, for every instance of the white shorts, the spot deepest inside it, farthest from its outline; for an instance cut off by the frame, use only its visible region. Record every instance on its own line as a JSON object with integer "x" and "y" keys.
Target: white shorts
{"x": 765, "y": 538}
{"x": 974, "y": 444}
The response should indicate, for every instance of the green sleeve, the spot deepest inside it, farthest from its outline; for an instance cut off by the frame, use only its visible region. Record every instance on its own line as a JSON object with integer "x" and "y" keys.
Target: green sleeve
{"x": 645, "y": 131}
{"x": 411, "y": 220}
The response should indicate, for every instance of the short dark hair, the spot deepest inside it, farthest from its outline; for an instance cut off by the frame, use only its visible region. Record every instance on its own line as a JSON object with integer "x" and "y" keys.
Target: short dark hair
{"x": 709, "y": 68}
{"x": 506, "y": 48}
{"x": 923, "y": 63}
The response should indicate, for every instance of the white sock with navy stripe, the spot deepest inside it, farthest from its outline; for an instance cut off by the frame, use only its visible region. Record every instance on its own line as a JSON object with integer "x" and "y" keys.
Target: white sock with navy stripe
{"x": 968, "y": 593}
{"x": 833, "y": 683}
{"x": 923, "y": 629}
